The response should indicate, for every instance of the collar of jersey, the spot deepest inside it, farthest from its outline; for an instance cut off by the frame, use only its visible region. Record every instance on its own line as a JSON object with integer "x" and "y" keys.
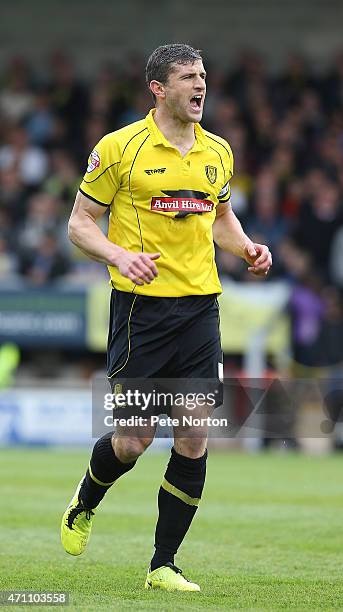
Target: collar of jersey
{"x": 158, "y": 138}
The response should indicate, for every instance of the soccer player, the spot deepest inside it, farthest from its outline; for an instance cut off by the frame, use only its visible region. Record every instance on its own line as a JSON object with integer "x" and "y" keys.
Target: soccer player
{"x": 166, "y": 182}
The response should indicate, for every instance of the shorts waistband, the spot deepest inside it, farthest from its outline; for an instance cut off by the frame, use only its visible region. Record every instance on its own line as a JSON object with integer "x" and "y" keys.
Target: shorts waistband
{"x": 180, "y": 299}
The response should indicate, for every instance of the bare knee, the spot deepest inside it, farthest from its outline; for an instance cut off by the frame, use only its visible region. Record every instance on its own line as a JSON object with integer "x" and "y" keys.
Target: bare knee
{"x": 190, "y": 447}
{"x": 128, "y": 449}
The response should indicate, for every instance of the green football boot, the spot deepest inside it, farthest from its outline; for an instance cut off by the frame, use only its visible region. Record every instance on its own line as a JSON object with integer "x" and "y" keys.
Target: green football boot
{"x": 76, "y": 525}
{"x": 169, "y": 578}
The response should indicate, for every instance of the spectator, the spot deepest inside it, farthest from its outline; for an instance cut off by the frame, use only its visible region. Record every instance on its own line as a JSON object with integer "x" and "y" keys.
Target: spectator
{"x": 318, "y": 222}
{"x": 64, "y": 179}
{"x": 266, "y": 220}
{"x": 69, "y": 97}
{"x": 17, "y": 97}
{"x": 307, "y": 311}
{"x": 40, "y": 123}
{"x": 13, "y": 195}
{"x": 31, "y": 161}
{"x": 43, "y": 215}
{"x": 330, "y": 338}
{"x": 44, "y": 263}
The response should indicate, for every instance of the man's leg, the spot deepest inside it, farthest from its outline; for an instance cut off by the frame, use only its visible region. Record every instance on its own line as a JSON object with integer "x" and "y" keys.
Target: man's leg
{"x": 113, "y": 455}
{"x": 179, "y": 497}
{"x": 198, "y": 360}
{"x": 178, "y": 500}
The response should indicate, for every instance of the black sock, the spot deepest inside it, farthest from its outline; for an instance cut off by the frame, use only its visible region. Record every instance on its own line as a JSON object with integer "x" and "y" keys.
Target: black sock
{"x": 104, "y": 469}
{"x": 178, "y": 499}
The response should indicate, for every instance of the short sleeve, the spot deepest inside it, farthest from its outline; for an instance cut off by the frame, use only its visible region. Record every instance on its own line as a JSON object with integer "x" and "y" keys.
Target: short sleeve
{"x": 101, "y": 180}
{"x": 225, "y": 192}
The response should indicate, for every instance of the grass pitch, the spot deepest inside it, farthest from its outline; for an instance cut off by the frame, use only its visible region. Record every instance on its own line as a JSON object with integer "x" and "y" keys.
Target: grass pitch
{"x": 268, "y": 534}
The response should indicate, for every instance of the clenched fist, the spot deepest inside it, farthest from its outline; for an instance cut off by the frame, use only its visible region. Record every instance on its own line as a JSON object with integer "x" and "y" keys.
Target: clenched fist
{"x": 259, "y": 258}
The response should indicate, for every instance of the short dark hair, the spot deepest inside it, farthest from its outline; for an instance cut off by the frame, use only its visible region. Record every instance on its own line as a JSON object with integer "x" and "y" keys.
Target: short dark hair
{"x": 160, "y": 62}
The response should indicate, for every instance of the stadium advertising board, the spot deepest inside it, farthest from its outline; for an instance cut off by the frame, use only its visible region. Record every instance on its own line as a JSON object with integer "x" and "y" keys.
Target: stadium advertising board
{"x": 43, "y": 317}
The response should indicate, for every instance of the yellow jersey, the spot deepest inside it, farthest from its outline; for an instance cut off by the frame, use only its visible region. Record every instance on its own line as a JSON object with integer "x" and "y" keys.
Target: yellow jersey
{"x": 162, "y": 202}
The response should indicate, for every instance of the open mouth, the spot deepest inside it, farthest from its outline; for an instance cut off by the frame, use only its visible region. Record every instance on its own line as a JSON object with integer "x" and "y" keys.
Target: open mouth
{"x": 196, "y": 102}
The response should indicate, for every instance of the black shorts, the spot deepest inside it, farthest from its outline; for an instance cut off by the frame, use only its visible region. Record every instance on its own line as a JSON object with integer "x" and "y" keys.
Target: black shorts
{"x": 164, "y": 338}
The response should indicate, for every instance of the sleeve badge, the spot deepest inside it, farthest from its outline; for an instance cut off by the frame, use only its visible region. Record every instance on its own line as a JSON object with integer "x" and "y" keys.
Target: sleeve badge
{"x": 93, "y": 161}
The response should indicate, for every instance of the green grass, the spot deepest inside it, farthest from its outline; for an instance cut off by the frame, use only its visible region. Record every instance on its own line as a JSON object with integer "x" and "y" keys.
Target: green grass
{"x": 267, "y": 535}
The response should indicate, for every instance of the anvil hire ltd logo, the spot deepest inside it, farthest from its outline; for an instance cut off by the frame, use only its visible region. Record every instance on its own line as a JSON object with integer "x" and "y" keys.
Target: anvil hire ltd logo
{"x": 183, "y": 202}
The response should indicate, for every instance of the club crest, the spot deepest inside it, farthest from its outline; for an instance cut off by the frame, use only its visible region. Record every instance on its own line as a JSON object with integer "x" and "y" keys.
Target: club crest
{"x": 211, "y": 173}
{"x": 118, "y": 388}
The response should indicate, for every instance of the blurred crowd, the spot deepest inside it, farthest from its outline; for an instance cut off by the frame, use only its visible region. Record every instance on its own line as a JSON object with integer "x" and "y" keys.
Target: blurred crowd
{"x": 286, "y": 132}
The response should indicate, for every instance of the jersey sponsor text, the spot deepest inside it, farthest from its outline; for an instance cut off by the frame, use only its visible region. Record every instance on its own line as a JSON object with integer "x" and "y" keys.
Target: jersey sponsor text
{"x": 181, "y": 204}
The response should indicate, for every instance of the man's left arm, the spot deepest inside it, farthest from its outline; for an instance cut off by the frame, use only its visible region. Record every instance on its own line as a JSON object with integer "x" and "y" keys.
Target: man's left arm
{"x": 229, "y": 235}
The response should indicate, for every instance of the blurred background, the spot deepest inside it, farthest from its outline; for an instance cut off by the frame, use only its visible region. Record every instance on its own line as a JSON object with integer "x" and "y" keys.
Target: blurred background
{"x": 71, "y": 72}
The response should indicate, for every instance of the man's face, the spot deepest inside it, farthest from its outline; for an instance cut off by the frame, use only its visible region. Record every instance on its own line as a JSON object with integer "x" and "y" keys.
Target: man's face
{"x": 185, "y": 91}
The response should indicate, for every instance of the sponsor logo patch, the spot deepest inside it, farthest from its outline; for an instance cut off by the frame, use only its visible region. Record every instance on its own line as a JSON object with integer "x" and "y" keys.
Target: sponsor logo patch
{"x": 94, "y": 161}
{"x": 155, "y": 171}
{"x": 211, "y": 173}
{"x": 187, "y": 205}
{"x": 184, "y": 202}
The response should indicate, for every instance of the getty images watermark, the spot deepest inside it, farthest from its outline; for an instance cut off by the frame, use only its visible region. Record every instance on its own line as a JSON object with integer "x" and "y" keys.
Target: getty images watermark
{"x": 147, "y": 403}
{"x": 233, "y": 408}
{"x": 161, "y": 402}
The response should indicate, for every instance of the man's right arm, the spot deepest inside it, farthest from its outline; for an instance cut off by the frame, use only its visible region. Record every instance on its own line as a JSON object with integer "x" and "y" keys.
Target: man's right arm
{"x": 84, "y": 232}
